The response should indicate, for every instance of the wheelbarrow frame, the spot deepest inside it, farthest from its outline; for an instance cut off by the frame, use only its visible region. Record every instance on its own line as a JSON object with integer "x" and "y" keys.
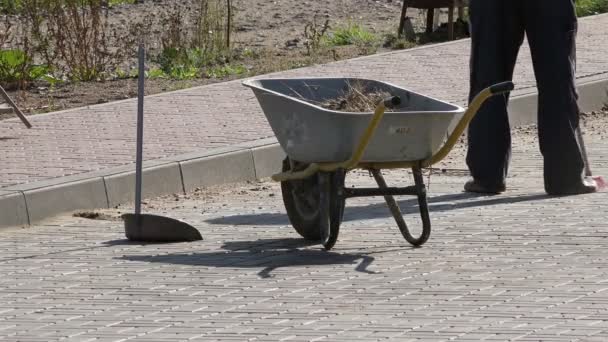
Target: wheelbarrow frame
{"x": 330, "y": 178}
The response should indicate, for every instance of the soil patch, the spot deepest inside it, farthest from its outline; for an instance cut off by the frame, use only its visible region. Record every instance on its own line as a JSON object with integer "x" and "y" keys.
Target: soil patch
{"x": 94, "y": 215}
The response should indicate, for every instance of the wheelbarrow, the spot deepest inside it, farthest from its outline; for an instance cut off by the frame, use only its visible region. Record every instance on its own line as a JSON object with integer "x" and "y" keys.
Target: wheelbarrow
{"x": 323, "y": 145}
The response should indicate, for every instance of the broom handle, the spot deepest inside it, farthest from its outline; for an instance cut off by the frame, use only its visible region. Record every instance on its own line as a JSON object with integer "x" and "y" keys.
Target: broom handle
{"x": 140, "y": 129}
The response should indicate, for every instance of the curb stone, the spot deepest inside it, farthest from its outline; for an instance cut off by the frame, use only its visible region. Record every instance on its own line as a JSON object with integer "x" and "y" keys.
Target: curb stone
{"x": 48, "y": 201}
{"x": 593, "y": 95}
{"x": 267, "y": 160}
{"x": 13, "y": 209}
{"x": 226, "y": 168}
{"x": 156, "y": 181}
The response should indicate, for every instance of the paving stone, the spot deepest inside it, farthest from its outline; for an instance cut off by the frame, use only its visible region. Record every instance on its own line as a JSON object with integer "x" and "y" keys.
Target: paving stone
{"x": 518, "y": 266}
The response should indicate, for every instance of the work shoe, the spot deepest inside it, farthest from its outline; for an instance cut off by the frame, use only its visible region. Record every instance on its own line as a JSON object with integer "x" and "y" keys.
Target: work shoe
{"x": 474, "y": 186}
{"x": 586, "y": 186}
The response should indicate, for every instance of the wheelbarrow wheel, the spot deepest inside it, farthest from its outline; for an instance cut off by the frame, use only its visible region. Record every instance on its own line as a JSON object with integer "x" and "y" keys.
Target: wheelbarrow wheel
{"x": 302, "y": 199}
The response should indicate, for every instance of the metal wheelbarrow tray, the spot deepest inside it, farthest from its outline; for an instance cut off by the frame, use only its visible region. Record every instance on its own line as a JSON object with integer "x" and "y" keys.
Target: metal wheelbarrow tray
{"x": 309, "y": 133}
{"x": 322, "y": 145}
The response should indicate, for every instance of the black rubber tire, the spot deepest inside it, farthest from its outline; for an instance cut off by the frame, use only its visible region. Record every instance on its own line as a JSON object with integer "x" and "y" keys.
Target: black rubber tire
{"x": 301, "y": 200}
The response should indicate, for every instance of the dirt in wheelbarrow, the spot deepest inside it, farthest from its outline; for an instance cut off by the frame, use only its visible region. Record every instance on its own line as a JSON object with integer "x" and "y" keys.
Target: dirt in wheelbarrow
{"x": 357, "y": 99}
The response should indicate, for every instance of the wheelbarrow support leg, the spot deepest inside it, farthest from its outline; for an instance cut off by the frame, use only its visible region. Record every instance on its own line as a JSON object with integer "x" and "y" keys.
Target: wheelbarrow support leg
{"x": 423, "y": 205}
{"x": 324, "y": 210}
{"x": 396, "y": 211}
{"x": 331, "y": 206}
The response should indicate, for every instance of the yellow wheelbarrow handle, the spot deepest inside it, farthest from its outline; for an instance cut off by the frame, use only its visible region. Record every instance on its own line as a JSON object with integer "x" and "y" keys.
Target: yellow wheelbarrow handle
{"x": 354, "y": 161}
{"x": 469, "y": 114}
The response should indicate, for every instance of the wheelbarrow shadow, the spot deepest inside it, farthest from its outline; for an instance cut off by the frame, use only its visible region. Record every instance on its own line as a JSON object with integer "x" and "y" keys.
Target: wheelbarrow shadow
{"x": 439, "y": 203}
{"x": 268, "y": 254}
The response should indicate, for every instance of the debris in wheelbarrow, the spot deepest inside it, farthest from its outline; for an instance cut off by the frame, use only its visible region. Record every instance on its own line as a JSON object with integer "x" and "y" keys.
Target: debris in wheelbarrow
{"x": 357, "y": 98}
{"x": 323, "y": 145}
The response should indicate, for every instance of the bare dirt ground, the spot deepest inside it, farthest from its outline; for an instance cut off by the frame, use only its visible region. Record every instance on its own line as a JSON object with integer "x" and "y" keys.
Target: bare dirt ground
{"x": 273, "y": 29}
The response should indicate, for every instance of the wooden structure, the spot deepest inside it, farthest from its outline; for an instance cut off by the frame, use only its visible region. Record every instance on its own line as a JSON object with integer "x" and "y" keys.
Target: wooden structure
{"x": 430, "y": 6}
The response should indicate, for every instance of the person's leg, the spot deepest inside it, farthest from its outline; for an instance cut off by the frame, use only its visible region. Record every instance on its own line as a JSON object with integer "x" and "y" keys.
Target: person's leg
{"x": 496, "y": 35}
{"x": 551, "y": 30}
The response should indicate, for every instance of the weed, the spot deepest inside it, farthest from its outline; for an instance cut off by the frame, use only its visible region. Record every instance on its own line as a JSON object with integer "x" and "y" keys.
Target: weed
{"x": 352, "y": 34}
{"x": 315, "y": 35}
{"x": 213, "y": 27}
{"x": 71, "y": 35}
{"x": 74, "y": 37}
{"x": 176, "y": 24}
{"x": 391, "y": 41}
{"x": 121, "y": 74}
{"x": 17, "y": 69}
{"x": 248, "y": 53}
{"x": 195, "y": 41}
{"x": 15, "y": 6}
{"x": 10, "y": 6}
{"x": 225, "y": 70}
{"x": 156, "y": 73}
{"x": 111, "y": 3}
{"x": 182, "y": 64}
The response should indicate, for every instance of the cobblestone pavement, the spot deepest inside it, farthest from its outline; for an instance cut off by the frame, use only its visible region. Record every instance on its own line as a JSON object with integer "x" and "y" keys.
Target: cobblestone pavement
{"x": 201, "y": 119}
{"x": 519, "y": 266}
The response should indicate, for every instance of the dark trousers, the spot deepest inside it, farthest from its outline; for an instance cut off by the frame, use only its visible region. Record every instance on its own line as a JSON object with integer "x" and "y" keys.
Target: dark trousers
{"x": 497, "y": 32}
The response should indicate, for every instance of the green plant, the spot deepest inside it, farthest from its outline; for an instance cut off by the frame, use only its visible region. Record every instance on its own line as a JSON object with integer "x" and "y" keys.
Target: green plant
{"x": 315, "y": 35}
{"x": 225, "y": 70}
{"x": 119, "y": 2}
{"x": 248, "y": 53}
{"x": 213, "y": 27}
{"x": 71, "y": 36}
{"x": 121, "y": 74}
{"x": 10, "y": 6}
{"x": 156, "y": 73}
{"x": 350, "y": 34}
{"x": 17, "y": 69}
{"x": 591, "y": 7}
{"x": 391, "y": 41}
{"x": 195, "y": 38}
{"x": 15, "y": 6}
{"x": 182, "y": 64}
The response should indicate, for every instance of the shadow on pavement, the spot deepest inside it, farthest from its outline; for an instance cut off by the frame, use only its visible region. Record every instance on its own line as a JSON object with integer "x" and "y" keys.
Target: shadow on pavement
{"x": 438, "y": 203}
{"x": 80, "y": 249}
{"x": 268, "y": 254}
